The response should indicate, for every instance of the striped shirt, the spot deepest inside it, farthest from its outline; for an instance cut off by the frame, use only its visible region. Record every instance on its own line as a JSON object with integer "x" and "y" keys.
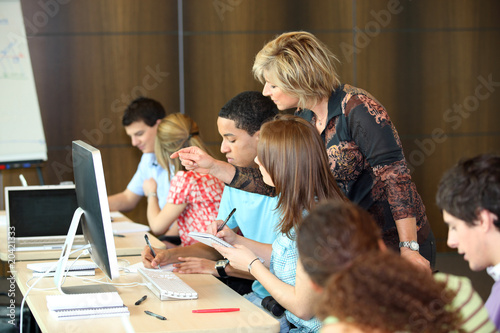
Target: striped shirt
{"x": 474, "y": 315}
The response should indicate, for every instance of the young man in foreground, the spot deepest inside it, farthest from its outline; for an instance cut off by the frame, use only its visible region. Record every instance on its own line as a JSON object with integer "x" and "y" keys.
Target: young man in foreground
{"x": 469, "y": 196}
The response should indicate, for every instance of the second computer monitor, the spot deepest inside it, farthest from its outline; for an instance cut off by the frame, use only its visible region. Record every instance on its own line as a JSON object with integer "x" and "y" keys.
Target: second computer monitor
{"x": 92, "y": 198}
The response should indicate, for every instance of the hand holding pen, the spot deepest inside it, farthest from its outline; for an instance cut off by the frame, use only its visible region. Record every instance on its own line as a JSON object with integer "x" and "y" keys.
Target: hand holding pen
{"x": 218, "y": 230}
{"x": 151, "y": 248}
{"x": 225, "y": 221}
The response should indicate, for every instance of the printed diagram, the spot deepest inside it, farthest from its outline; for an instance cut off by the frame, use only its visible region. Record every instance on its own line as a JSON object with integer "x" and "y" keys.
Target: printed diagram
{"x": 12, "y": 62}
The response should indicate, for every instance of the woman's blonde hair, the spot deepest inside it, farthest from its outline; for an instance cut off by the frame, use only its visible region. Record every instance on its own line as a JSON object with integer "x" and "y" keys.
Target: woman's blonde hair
{"x": 300, "y": 65}
{"x": 176, "y": 131}
{"x": 293, "y": 153}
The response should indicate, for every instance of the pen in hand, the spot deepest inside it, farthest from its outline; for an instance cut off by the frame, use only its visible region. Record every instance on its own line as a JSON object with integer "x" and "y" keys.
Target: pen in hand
{"x": 150, "y": 247}
{"x": 227, "y": 219}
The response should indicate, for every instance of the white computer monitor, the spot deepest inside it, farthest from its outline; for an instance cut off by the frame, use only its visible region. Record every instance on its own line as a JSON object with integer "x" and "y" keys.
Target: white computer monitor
{"x": 93, "y": 214}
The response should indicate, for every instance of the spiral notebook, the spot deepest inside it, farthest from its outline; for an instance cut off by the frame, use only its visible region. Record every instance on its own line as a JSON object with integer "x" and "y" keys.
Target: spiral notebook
{"x": 208, "y": 239}
{"x": 85, "y": 306}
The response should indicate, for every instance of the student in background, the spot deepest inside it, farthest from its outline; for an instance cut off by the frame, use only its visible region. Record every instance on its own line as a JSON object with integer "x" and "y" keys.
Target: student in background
{"x": 469, "y": 196}
{"x": 194, "y": 198}
{"x": 292, "y": 158}
{"x": 342, "y": 251}
{"x": 140, "y": 120}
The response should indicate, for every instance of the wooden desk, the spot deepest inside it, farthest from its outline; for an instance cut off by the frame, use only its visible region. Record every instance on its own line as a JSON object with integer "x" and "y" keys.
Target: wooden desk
{"x": 211, "y": 294}
{"x": 130, "y": 245}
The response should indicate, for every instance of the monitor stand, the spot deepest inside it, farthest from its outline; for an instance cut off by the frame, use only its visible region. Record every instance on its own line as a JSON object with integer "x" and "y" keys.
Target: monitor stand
{"x": 63, "y": 260}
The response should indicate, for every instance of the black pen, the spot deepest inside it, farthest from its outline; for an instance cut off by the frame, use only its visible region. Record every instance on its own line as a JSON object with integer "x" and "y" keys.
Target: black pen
{"x": 143, "y": 298}
{"x": 155, "y": 315}
{"x": 150, "y": 247}
{"x": 227, "y": 219}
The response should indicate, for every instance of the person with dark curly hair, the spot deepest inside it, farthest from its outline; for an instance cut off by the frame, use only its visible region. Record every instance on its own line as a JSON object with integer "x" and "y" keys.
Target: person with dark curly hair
{"x": 469, "y": 196}
{"x": 330, "y": 241}
{"x": 381, "y": 292}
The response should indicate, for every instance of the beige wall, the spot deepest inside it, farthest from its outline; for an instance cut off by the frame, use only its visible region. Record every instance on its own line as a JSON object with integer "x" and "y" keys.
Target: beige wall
{"x": 426, "y": 61}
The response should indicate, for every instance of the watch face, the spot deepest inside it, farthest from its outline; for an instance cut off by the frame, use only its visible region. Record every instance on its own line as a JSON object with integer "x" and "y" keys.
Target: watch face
{"x": 222, "y": 263}
{"x": 220, "y": 266}
{"x": 414, "y": 246}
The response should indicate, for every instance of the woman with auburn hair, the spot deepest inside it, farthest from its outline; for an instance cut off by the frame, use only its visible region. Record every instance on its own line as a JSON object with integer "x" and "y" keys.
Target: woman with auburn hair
{"x": 364, "y": 149}
{"x": 292, "y": 158}
{"x": 381, "y": 292}
{"x": 194, "y": 198}
{"x": 336, "y": 238}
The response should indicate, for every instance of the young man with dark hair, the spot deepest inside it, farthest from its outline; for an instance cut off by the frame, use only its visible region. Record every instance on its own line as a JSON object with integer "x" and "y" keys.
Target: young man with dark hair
{"x": 469, "y": 196}
{"x": 140, "y": 120}
{"x": 255, "y": 217}
{"x": 238, "y": 123}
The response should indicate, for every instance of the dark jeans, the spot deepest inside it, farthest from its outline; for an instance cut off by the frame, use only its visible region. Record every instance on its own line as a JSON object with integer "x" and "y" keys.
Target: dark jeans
{"x": 428, "y": 249}
{"x": 176, "y": 240}
{"x": 241, "y": 286}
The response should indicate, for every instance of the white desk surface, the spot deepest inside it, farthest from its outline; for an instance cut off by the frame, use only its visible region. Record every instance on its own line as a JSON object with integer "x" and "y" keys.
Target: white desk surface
{"x": 130, "y": 245}
{"x": 211, "y": 294}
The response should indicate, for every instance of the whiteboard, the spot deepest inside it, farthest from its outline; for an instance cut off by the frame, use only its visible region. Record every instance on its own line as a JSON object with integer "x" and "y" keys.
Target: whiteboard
{"x": 21, "y": 130}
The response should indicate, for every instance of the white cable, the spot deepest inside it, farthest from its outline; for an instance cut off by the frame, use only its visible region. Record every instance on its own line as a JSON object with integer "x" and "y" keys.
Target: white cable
{"x": 67, "y": 272}
{"x": 98, "y": 281}
{"x": 85, "y": 251}
{"x": 29, "y": 289}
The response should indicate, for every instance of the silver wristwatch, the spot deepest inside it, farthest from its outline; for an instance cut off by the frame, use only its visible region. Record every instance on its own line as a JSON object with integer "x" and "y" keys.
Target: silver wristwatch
{"x": 412, "y": 245}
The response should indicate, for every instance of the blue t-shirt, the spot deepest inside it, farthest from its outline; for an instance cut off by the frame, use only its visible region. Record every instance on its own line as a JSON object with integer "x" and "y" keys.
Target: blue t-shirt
{"x": 255, "y": 215}
{"x": 149, "y": 168}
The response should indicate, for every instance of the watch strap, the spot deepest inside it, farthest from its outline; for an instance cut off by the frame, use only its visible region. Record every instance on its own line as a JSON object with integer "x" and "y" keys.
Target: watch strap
{"x": 220, "y": 266}
{"x": 412, "y": 245}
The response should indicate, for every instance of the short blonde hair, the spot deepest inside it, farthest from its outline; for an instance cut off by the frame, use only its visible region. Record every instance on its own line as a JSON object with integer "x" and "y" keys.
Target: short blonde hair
{"x": 176, "y": 131}
{"x": 300, "y": 65}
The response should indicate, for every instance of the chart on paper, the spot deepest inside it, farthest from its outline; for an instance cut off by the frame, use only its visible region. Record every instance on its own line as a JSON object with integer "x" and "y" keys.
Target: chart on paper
{"x": 21, "y": 131}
